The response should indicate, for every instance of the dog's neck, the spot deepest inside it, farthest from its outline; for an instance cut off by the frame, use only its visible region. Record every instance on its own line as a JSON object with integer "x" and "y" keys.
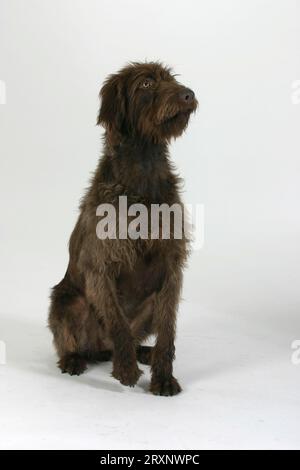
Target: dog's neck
{"x": 142, "y": 167}
{"x": 146, "y": 155}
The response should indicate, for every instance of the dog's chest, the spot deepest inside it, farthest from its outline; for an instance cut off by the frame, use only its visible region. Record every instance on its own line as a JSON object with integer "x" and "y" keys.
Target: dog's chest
{"x": 135, "y": 285}
{"x": 148, "y": 183}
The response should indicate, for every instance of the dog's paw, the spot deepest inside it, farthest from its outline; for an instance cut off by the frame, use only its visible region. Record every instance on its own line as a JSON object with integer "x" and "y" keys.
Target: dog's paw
{"x": 72, "y": 364}
{"x": 127, "y": 376}
{"x": 165, "y": 387}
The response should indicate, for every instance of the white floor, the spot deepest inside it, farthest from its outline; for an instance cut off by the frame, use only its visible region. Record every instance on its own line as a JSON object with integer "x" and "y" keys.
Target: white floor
{"x": 241, "y": 390}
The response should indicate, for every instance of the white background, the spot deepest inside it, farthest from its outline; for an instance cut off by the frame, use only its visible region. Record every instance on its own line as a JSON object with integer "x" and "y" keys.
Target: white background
{"x": 239, "y": 157}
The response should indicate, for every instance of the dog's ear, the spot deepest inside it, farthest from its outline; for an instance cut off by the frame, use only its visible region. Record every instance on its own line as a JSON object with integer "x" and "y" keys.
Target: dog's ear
{"x": 112, "y": 108}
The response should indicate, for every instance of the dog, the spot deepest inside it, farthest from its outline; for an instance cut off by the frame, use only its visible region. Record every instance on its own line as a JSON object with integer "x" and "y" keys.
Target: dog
{"x": 117, "y": 292}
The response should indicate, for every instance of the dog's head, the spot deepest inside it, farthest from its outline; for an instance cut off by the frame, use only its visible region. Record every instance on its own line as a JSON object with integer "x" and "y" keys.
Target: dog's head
{"x": 147, "y": 101}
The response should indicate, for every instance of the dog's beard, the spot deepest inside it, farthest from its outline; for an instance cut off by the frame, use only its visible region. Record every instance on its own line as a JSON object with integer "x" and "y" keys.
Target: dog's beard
{"x": 168, "y": 122}
{"x": 176, "y": 118}
{"x": 175, "y": 124}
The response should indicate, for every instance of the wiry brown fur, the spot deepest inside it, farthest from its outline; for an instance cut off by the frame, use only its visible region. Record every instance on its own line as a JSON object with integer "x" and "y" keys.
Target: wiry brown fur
{"x": 116, "y": 293}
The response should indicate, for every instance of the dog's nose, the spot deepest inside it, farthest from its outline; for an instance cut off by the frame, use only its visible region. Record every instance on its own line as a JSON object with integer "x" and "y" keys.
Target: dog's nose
{"x": 187, "y": 96}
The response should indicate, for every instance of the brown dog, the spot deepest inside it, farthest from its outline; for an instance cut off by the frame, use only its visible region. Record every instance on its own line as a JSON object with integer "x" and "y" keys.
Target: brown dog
{"x": 117, "y": 292}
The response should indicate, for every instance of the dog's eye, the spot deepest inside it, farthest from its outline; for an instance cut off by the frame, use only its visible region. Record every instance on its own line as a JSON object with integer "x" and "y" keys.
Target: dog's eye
{"x": 147, "y": 83}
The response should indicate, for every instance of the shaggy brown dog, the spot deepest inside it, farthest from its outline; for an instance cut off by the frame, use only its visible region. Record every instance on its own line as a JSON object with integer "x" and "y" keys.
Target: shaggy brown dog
{"x": 117, "y": 292}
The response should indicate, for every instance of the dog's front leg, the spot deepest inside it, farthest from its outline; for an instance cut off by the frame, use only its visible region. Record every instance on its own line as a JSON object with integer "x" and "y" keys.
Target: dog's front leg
{"x": 163, "y": 382}
{"x": 125, "y": 367}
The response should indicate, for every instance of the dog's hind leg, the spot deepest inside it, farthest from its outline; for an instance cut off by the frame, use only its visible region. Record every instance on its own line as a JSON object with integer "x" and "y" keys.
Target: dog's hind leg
{"x": 68, "y": 319}
{"x": 144, "y": 354}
